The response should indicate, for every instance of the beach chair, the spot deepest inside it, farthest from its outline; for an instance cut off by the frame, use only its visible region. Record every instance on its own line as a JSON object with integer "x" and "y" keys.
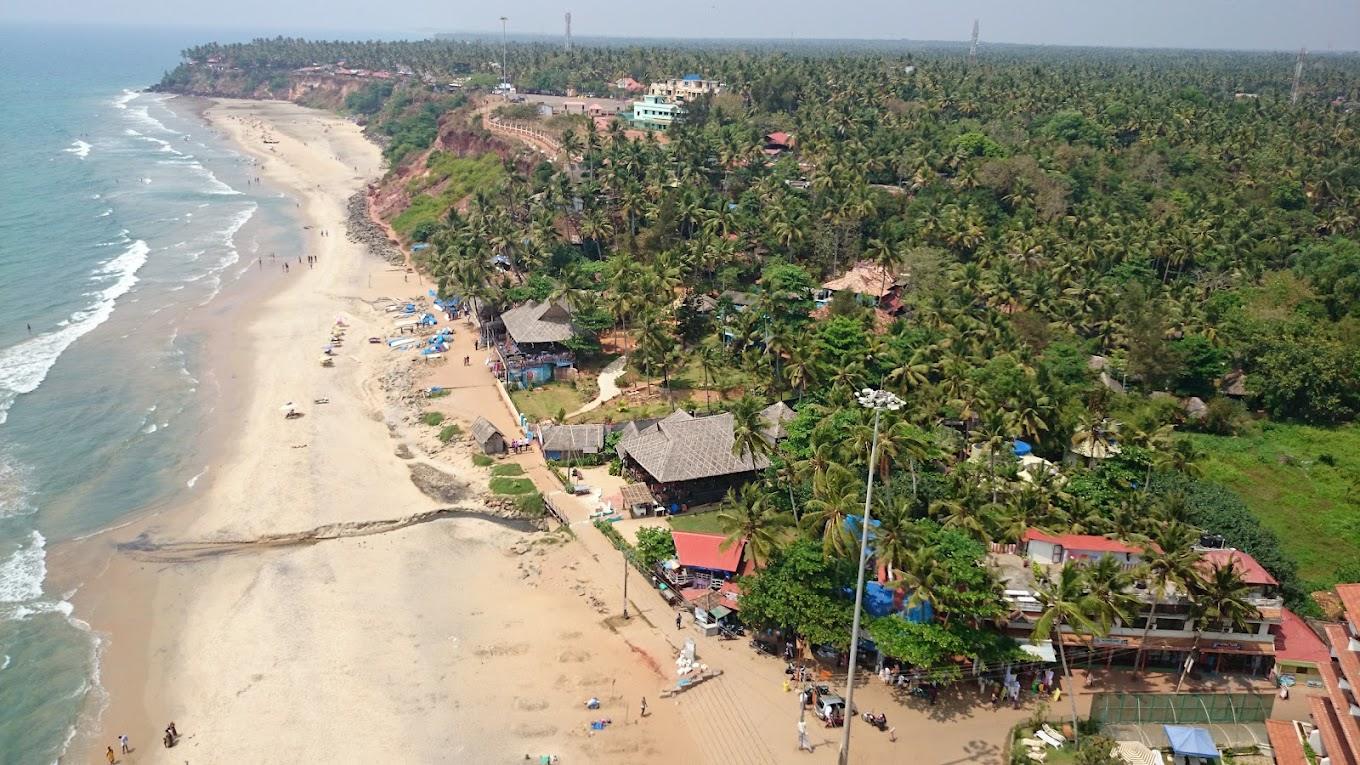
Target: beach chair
{"x": 1043, "y": 736}
{"x": 1050, "y": 730}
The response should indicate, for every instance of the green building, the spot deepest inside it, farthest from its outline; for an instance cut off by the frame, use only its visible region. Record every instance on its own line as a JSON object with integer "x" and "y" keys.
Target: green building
{"x": 655, "y": 112}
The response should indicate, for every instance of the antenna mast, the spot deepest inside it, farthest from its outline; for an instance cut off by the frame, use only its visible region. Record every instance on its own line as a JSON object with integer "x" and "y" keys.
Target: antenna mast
{"x": 972, "y": 49}
{"x": 505, "y": 73}
{"x": 1298, "y": 76}
{"x": 569, "y": 31}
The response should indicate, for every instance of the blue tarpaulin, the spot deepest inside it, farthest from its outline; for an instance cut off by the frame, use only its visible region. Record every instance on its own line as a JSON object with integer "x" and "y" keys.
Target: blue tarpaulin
{"x": 1021, "y": 448}
{"x": 1190, "y": 741}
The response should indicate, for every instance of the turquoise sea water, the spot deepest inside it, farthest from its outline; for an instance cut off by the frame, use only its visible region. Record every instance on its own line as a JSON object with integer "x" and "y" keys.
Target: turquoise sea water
{"x": 122, "y": 217}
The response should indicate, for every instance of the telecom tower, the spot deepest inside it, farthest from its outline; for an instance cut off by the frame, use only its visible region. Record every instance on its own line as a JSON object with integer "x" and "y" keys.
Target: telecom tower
{"x": 972, "y": 49}
{"x": 569, "y": 31}
{"x": 1298, "y": 76}
{"x": 505, "y": 47}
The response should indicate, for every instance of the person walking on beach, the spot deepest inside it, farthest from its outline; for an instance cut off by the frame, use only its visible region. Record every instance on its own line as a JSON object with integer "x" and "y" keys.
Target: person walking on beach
{"x": 644, "y": 707}
{"x": 677, "y": 620}
{"x": 174, "y": 733}
{"x": 110, "y": 756}
{"x": 803, "y": 744}
{"x": 123, "y": 742}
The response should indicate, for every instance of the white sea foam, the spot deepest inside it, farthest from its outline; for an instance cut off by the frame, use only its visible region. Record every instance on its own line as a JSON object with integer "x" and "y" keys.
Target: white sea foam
{"x": 131, "y": 132}
{"x": 105, "y": 214}
{"x": 122, "y": 101}
{"x": 79, "y": 148}
{"x": 13, "y": 488}
{"x": 149, "y": 429}
{"x": 23, "y": 572}
{"x": 190, "y": 483}
{"x": 4, "y": 663}
{"x": 23, "y": 367}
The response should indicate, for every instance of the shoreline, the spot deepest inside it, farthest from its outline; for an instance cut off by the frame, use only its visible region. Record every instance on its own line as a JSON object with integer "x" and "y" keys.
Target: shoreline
{"x": 461, "y": 640}
{"x": 116, "y": 594}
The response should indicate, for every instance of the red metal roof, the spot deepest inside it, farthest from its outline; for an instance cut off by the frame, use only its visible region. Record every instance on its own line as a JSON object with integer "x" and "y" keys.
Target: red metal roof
{"x": 1252, "y": 572}
{"x": 696, "y": 550}
{"x": 1081, "y": 542}
{"x": 1284, "y": 741}
{"x": 780, "y": 137}
{"x": 1296, "y": 642}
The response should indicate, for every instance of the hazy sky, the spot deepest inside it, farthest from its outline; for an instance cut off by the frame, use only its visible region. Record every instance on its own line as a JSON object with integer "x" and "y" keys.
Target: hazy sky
{"x": 1278, "y": 24}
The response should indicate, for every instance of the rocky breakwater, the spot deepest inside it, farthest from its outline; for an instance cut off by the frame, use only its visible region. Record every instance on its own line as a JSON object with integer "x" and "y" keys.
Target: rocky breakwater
{"x": 362, "y": 229}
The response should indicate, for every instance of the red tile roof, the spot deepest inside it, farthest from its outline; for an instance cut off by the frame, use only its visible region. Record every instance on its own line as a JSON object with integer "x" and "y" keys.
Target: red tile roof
{"x": 1350, "y": 600}
{"x": 1348, "y": 659}
{"x": 1252, "y": 572}
{"x": 780, "y": 137}
{"x": 1081, "y": 542}
{"x": 1296, "y": 642}
{"x": 1329, "y": 727}
{"x": 1345, "y": 723}
{"x": 703, "y": 551}
{"x": 1284, "y": 740}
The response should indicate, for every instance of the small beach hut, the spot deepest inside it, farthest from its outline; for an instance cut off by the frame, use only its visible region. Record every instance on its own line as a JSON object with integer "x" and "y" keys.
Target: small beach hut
{"x": 488, "y": 436}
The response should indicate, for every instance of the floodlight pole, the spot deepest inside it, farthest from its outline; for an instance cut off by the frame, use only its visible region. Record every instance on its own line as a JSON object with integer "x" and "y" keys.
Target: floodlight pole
{"x": 878, "y": 401}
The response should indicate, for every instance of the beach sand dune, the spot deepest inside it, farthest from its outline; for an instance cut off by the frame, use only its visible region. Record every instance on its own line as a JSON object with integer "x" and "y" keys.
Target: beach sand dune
{"x": 427, "y": 642}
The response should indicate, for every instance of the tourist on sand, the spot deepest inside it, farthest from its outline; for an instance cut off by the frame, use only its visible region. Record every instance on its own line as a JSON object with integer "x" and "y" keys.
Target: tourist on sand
{"x": 110, "y": 756}
{"x": 803, "y": 743}
{"x": 677, "y": 620}
{"x": 644, "y": 706}
{"x": 171, "y": 730}
{"x": 892, "y": 734}
{"x": 123, "y": 742}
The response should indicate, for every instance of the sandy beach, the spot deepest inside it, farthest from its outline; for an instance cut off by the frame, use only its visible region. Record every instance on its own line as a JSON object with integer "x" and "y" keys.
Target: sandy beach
{"x": 455, "y": 640}
{"x": 293, "y": 613}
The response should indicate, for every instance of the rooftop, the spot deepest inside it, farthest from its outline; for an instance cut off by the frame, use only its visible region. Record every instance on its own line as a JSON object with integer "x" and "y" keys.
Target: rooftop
{"x": 572, "y": 438}
{"x": 683, "y": 447}
{"x": 1082, "y": 542}
{"x": 483, "y": 430}
{"x": 534, "y": 322}
{"x": 864, "y": 279}
{"x": 1284, "y": 740}
{"x": 695, "y": 550}
{"x": 1296, "y": 641}
{"x": 1252, "y": 572}
{"x": 1350, "y": 601}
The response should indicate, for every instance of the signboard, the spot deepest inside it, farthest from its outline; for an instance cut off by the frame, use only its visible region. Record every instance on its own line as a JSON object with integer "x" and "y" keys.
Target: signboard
{"x": 1109, "y": 641}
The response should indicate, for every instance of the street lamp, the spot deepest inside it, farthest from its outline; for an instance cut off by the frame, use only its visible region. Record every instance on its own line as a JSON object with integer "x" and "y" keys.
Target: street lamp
{"x": 877, "y": 400}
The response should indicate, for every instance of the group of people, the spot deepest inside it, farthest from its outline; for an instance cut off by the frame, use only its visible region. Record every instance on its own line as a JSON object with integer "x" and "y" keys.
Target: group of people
{"x": 125, "y": 745}
{"x": 1012, "y": 686}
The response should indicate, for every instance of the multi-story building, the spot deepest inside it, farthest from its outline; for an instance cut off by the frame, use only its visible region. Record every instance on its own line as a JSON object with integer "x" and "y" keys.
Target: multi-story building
{"x": 1174, "y": 637}
{"x": 685, "y": 88}
{"x": 1335, "y": 732}
{"x": 655, "y": 112}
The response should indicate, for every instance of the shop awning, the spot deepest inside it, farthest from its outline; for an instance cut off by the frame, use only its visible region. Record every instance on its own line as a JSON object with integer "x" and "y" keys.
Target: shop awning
{"x": 1191, "y": 741}
{"x": 718, "y": 612}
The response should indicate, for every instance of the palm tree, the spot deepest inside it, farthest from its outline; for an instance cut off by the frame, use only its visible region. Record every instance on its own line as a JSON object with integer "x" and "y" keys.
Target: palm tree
{"x": 1165, "y": 566}
{"x": 1066, "y": 601}
{"x": 1219, "y": 598}
{"x": 750, "y": 430}
{"x": 836, "y": 495}
{"x": 1111, "y": 584}
{"x": 749, "y": 515}
{"x": 923, "y": 576}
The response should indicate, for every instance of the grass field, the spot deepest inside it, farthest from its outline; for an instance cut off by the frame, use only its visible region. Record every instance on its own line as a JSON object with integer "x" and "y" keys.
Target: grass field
{"x": 1302, "y": 482}
{"x": 705, "y": 523}
{"x": 511, "y": 486}
{"x": 545, "y": 401}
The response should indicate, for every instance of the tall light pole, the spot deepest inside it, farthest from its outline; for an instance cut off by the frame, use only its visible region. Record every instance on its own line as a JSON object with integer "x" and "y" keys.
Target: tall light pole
{"x": 877, "y": 400}
{"x": 505, "y": 74}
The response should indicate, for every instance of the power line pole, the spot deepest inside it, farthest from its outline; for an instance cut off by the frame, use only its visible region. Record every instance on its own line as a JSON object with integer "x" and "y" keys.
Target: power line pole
{"x": 972, "y": 49}
{"x": 569, "y": 31}
{"x": 1298, "y": 76}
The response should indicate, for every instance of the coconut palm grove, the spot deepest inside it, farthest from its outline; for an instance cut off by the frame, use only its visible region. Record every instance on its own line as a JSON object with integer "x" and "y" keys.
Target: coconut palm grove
{"x": 1116, "y": 291}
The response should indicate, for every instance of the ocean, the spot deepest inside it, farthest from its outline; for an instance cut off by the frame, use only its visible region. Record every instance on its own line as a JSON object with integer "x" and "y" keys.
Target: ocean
{"x": 123, "y": 219}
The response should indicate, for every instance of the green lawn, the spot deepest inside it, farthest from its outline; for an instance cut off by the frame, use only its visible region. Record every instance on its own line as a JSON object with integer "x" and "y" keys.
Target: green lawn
{"x": 508, "y": 469}
{"x": 619, "y": 411}
{"x": 511, "y": 486}
{"x": 545, "y": 401}
{"x": 1302, "y": 482}
{"x": 706, "y": 523}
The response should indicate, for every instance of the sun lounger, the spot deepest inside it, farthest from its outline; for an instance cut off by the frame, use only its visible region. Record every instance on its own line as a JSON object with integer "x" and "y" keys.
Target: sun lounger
{"x": 1042, "y": 735}
{"x": 1051, "y": 731}
{"x": 1032, "y": 743}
